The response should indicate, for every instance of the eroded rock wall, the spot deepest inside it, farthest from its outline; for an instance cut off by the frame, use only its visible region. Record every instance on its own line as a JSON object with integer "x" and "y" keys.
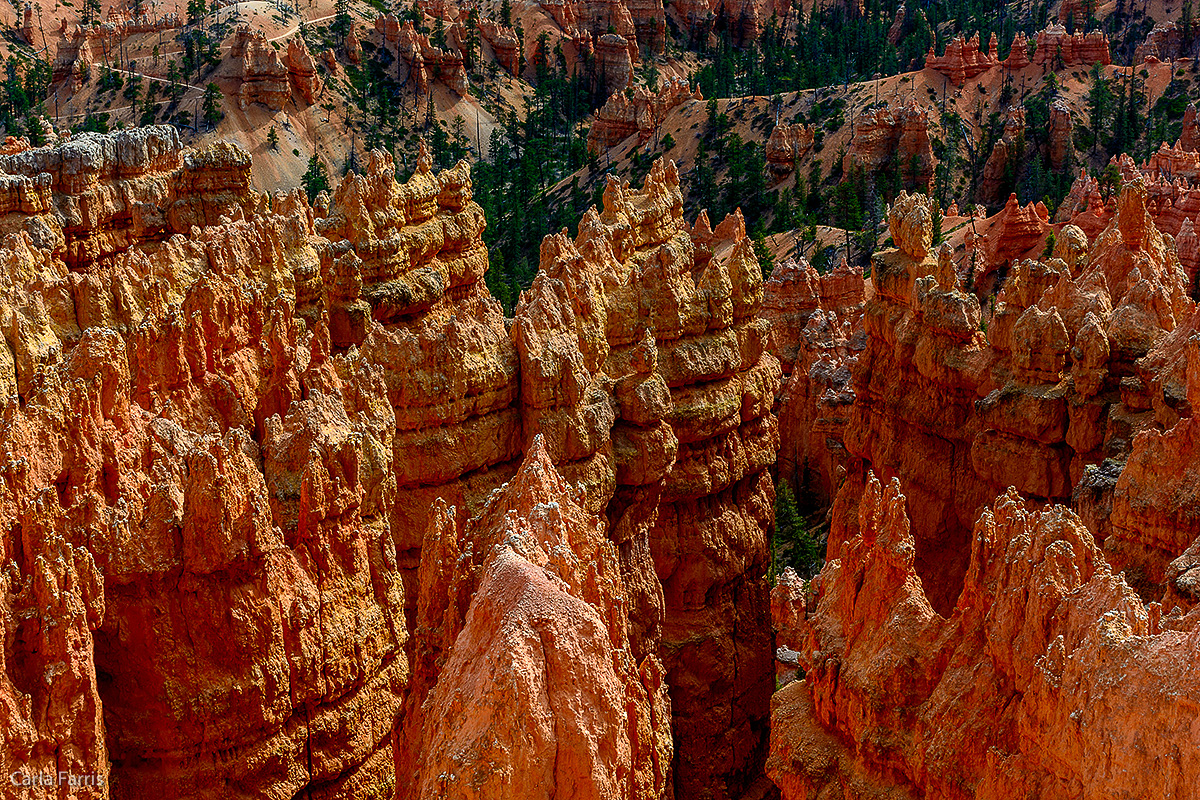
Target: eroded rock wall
{"x": 957, "y": 645}
{"x": 246, "y": 439}
{"x": 1048, "y": 678}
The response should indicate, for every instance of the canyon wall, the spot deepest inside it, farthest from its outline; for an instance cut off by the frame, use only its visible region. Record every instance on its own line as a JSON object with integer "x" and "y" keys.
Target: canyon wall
{"x": 279, "y": 466}
{"x": 1049, "y": 677}
{"x": 1011, "y": 583}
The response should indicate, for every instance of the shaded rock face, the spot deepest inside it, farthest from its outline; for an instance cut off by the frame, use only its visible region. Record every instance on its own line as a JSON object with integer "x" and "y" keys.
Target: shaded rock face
{"x": 1028, "y": 686}
{"x": 817, "y": 334}
{"x": 264, "y": 76}
{"x": 747, "y": 19}
{"x": 622, "y": 116}
{"x": 894, "y": 135}
{"x": 1004, "y": 160}
{"x": 248, "y": 436}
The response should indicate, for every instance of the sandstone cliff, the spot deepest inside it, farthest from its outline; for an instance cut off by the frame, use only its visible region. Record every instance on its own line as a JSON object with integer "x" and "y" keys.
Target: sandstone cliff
{"x": 1048, "y": 678}
{"x": 240, "y": 427}
{"x": 957, "y": 645}
{"x": 896, "y": 136}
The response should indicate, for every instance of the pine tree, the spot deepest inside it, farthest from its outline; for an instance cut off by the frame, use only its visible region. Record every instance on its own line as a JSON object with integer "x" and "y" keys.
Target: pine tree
{"x": 315, "y": 179}
{"x": 341, "y": 19}
{"x": 438, "y": 39}
{"x": 212, "y": 105}
{"x": 273, "y": 138}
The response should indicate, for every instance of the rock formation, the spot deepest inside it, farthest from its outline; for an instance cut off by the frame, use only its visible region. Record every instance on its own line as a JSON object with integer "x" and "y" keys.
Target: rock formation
{"x": 564, "y": 703}
{"x": 504, "y": 43}
{"x": 353, "y": 46}
{"x": 302, "y": 70}
{"x": 1054, "y": 47}
{"x": 748, "y": 18}
{"x": 817, "y": 334}
{"x": 1027, "y": 687}
{"x": 80, "y": 45}
{"x": 1162, "y": 43}
{"x": 1003, "y": 162}
{"x": 249, "y": 436}
{"x": 640, "y": 22}
{"x": 942, "y": 609}
{"x": 264, "y": 76}
{"x": 1061, "y": 141}
{"x": 1015, "y": 232}
{"x": 614, "y": 64}
{"x": 425, "y": 61}
{"x": 786, "y": 145}
{"x": 622, "y": 116}
{"x": 897, "y": 136}
{"x": 1018, "y": 53}
{"x": 1190, "y": 137}
{"x": 1057, "y": 48}
{"x": 963, "y": 59}
{"x": 1038, "y": 391}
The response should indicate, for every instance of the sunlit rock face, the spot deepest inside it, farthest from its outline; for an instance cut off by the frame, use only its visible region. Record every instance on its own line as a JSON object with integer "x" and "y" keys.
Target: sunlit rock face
{"x": 280, "y": 472}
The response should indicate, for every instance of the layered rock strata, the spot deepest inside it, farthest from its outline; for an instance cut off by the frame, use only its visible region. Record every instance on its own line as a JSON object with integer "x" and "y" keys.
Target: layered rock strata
{"x": 896, "y": 136}
{"x": 240, "y": 426}
{"x": 1054, "y": 387}
{"x": 817, "y": 334}
{"x": 264, "y": 75}
{"x": 1027, "y": 687}
{"x": 622, "y": 116}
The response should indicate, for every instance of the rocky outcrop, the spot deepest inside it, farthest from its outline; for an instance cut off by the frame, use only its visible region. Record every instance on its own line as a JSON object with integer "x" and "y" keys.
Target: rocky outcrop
{"x": 963, "y": 59}
{"x": 898, "y": 136}
{"x": 1061, "y": 147}
{"x": 425, "y": 61}
{"x": 1027, "y": 685}
{"x": 690, "y": 436}
{"x": 353, "y": 46}
{"x": 1162, "y": 43}
{"x": 747, "y": 19}
{"x": 564, "y": 703}
{"x": 264, "y": 76}
{"x": 94, "y": 196}
{"x": 1018, "y": 53}
{"x": 786, "y": 145}
{"x": 1017, "y": 231}
{"x": 1058, "y": 49}
{"x": 817, "y": 334}
{"x": 1189, "y": 138}
{"x": 242, "y": 424}
{"x": 1003, "y": 164}
{"x": 77, "y": 46}
{"x": 614, "y": 64}
{"x": 622, "y": 116}
{"x": 52, "y": 603}
{"x": 504, "y": 43}
{"x": 302, "y": 70}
